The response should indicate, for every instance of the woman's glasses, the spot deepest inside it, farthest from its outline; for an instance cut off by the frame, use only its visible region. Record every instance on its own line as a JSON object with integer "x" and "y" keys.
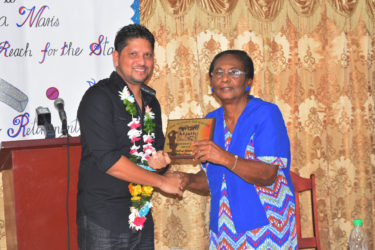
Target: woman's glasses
{"x": 232, "y": 73}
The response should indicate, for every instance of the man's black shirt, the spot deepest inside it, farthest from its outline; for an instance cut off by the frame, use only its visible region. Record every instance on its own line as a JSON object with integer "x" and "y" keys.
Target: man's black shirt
{"x": 104, "y": 137}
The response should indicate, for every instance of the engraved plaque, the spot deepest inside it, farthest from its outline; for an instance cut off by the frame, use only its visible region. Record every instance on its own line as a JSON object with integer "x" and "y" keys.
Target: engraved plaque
{"x": 181, "y": 133}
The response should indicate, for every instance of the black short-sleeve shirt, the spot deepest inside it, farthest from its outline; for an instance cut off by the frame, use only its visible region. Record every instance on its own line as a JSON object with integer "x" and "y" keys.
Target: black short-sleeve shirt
{"x": 104, "y": 126}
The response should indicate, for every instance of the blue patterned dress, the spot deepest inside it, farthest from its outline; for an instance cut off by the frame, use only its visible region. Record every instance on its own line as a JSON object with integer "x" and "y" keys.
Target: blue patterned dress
{"x": 277, "y": 201}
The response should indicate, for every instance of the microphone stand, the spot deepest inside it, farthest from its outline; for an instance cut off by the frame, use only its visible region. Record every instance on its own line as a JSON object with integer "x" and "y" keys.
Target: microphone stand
{"x": 64, "y": 128}
{"x": 67, "y": 186}
{"x": 64, "y": 131}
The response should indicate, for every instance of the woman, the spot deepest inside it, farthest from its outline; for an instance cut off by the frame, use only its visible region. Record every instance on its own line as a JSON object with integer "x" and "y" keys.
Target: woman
{"x": 246, "y": 165}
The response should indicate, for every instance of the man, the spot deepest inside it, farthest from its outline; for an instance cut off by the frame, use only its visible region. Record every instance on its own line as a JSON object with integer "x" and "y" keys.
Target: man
{"x": 121, "y": 136}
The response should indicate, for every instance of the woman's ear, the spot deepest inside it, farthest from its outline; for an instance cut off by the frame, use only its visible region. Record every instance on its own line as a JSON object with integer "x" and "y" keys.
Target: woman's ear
{"x": 250, "y": 82}
{"x": 248, "y": 86}
{"x": 212, "y": 87}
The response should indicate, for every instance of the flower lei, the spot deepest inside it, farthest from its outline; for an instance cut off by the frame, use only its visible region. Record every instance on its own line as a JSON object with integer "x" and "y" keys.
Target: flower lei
{"x": 141, "y": 195}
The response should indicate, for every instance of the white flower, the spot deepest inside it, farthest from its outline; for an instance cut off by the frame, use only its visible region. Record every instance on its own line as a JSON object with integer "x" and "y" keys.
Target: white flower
{"x": 125, "y": 95}
{"x": 149, "y": 112}
{"x": 141, "y": 155}
{"x": 134, "y": 147}
{"x": 149, "y": 138}
{"x": 135, "y": 122}
{"x": 145, "y": 158}
{"x": 134, "y": 150}
{"x": 148, "y": 150}
{"x": 134, "y": 211}
{"x": 130, "y": 98}
{"x": 134, "y": 133}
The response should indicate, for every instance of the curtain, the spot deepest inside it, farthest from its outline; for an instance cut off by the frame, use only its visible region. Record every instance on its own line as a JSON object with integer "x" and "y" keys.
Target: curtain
{"x": 315, "y": 60}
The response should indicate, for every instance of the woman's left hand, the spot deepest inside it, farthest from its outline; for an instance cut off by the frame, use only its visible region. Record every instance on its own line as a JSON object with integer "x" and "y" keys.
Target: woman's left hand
{"x": 159, "y": 160}
{"x": 206, "y": 150}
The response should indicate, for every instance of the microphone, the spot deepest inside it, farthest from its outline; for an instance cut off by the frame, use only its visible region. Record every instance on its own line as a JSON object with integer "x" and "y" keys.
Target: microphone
{"x": 59, "y": 105}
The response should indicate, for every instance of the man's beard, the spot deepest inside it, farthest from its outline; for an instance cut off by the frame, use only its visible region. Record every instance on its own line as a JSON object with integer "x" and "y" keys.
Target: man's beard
{"x": 138, "y": 82}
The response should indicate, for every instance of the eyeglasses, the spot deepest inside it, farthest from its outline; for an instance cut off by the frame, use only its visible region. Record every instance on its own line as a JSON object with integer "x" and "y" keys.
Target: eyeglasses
{"x": 232, "y": 73}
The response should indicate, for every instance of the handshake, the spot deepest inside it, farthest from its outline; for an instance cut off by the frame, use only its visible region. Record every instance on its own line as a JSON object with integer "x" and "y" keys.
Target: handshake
{"x": 174, "y": 183}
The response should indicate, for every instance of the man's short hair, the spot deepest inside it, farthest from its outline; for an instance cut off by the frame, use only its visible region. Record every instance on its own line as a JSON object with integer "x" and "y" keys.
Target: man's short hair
{"x": 131, "y": 31}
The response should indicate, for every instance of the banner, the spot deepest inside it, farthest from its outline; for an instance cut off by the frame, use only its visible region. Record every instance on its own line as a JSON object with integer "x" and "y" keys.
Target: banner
{"x": 54, "y": 49}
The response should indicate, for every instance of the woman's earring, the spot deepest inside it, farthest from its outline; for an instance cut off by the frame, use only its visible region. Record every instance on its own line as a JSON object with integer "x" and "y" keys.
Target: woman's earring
{"x": 247, "y": 89}
{"x": 213, "y": 91}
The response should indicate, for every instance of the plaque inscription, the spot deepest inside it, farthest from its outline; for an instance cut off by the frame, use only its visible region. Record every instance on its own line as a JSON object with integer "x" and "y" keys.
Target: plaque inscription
{"x": 181, "y": 133}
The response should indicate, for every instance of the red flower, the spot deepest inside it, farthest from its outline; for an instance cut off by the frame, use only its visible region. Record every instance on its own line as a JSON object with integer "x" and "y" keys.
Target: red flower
{"x": 134, "y": 125}
{"x": 147, "y": 147}
{"x": 135, "y": 139}
{"x": 149, "y": 140}
{"x": 139, "y": 221}
{"x": 133, "y": 151}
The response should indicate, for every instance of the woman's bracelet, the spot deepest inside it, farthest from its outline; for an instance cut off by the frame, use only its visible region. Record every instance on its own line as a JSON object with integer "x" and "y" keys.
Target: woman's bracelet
{"x": 235, "y": 162}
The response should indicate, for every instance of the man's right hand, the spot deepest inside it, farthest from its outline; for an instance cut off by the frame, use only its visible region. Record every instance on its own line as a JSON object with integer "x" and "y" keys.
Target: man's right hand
{"x": 172, "y": 183}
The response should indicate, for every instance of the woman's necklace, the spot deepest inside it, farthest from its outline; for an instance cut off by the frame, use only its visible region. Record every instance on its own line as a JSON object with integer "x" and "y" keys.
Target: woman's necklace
{"x": 141, "y": 194}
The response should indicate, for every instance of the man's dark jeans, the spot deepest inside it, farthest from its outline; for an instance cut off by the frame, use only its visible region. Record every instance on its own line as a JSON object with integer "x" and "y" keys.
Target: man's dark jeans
{"x": 94, "y": 237}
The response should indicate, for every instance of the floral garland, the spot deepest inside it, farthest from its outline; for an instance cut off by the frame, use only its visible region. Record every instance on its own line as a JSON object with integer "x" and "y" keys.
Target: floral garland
{"x": 141, "y": 195}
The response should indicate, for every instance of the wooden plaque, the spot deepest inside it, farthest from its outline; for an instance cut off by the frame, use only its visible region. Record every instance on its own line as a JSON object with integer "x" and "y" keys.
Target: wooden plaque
{"x": 181, "y": 133}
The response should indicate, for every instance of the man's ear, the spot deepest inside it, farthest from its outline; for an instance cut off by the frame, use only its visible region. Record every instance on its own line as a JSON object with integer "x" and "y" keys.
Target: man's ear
{"x": 115, "y": 58}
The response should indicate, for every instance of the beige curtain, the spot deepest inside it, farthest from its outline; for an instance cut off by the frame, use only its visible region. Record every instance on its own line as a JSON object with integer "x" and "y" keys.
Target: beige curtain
{"x": 313, "y": 58}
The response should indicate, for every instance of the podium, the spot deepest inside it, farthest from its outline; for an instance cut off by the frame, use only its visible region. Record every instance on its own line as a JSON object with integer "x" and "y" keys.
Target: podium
{"x": 36, "y": 196}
